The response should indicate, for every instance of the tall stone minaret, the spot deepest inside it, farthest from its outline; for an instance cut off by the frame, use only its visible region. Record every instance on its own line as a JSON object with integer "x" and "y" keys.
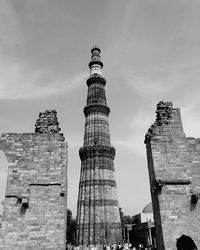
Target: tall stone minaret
{"x": 98, "y": 215}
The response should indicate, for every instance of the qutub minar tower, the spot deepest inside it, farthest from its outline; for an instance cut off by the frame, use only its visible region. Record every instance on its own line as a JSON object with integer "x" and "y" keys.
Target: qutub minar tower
{"x": 98, "y": 215}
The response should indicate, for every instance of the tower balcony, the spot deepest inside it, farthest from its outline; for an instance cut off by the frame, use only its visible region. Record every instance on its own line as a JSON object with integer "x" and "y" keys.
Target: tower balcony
{"x": 96, "y": 78}
{"x": 96, "y": 108}
{"x": 103, "y": 150}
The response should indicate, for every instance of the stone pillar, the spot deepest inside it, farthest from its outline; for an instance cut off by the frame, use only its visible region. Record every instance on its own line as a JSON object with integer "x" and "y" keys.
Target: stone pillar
{"x": 174, "y": 172}
{"x": 34, "y": 214}
{"x": 98, "y": 215}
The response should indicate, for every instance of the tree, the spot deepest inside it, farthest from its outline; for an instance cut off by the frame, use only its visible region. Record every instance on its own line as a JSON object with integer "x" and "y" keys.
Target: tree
{"x": 125, "y": 219}
{"x": 71, "y": 227}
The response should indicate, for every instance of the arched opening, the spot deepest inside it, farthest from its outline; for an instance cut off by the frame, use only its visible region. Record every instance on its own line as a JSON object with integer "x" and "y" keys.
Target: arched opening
{"x": 3, "y": 178}
{"x": 185, "y": 242}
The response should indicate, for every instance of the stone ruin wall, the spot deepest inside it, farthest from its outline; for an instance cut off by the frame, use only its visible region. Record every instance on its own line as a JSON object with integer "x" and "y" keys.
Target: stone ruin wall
{"x": 34, "y": 215}
{"x": 174, "y": 172}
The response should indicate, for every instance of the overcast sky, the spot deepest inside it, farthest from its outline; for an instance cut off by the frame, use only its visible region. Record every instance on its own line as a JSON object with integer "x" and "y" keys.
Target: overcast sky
{"x": 150, "y": 50}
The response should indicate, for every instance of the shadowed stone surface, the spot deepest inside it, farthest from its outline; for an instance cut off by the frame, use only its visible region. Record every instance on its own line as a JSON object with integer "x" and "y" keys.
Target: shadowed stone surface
{"x": 174, "y": 172}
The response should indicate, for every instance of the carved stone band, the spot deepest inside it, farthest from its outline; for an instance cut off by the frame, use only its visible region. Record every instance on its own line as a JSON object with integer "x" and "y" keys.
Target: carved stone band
{"x": 96, "y": 79}
{"x": 96, "y": 150}
{"x": 96, "y": 108}
{"x": 99, "y": 203}
{"x": 103, "y": 167}
{"x": 111, "y": 225}
{"x": 97, "y": 183}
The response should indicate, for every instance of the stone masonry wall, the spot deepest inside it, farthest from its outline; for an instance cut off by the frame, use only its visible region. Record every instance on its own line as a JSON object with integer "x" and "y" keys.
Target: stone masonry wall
{"x": 34, "y": 215}
{"x": 174, "y": 172}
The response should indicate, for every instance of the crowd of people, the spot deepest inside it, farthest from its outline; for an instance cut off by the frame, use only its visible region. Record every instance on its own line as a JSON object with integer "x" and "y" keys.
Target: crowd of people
{"x": 118, "y": 246}
{"x": 183, "y": 243}
{"x": 123, "y": 246}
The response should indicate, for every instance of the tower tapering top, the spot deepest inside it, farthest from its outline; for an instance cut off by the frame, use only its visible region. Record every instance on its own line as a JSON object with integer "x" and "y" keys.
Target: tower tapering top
{"x": 95, "y": 57}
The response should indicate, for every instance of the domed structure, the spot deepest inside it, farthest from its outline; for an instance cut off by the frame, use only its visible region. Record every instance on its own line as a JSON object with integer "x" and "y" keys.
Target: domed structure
{"x": 143, "y": 230}
{"x": 148, "y": 209}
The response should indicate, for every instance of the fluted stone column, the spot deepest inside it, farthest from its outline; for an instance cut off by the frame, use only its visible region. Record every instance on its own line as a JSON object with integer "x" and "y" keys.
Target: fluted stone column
{"x": 98, "y": 215}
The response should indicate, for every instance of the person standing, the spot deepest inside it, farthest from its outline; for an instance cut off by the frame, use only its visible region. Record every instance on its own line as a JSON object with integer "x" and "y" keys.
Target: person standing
{"x": 107, "y": 247}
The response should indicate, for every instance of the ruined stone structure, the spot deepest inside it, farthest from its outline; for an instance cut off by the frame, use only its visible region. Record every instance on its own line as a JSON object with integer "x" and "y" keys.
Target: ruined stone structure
{"x": 98, "y": 215}
{"x": 174, "y": 171}
{"x": 34, "y": 215}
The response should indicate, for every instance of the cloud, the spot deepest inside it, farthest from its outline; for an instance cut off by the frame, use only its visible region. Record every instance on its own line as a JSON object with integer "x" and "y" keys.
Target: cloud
{"x": 8, "y": 25}
{"x": 19, "y": 82}
{"x": 148, "y": 85}
{"x": 134, "y": 143}
{"x": 190, "y": 117}
{"x": 136, "y": 128}
{"x": 26, "y": 69}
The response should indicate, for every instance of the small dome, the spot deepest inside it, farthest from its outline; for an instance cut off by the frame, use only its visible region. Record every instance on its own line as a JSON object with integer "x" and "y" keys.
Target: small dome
{"x": 148, "y": 208}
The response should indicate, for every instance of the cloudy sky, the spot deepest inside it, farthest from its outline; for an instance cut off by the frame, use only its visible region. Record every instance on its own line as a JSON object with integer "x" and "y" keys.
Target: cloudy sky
{"x": 150, "y": 50}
